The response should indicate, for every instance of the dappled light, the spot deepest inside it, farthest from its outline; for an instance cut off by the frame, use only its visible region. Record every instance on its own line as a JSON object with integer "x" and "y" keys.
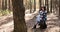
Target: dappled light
{"x": 21, "y": 15}
{"x": 52, "y": 22}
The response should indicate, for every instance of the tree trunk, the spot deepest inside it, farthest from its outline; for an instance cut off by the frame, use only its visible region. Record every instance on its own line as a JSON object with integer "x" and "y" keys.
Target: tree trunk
{"x": 5, "y": 4}
{"x": 39, "y": 4}
{"x": 51, "y": 6}
{"x": 30, "y": 6}
{"x": 56, "y": 6}
{"x": 18, "y": 15}
{"x": 34, "y": 5}
{"x": 11, "y": 5}
{"x": 2, "y": 4}
{"x": 47, "y": 6}
{"x": 59, "y": 8}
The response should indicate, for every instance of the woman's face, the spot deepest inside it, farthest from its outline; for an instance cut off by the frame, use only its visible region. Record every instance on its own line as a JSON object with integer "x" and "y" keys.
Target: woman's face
{"x": 42, "y": 8}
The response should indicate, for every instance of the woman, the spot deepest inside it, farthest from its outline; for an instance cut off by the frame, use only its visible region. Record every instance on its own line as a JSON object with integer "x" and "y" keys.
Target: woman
{"x": 41, "y": 18}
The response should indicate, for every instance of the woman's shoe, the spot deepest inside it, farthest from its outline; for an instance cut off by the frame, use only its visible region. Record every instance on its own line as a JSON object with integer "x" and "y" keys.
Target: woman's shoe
{"x": 34, "y": 27}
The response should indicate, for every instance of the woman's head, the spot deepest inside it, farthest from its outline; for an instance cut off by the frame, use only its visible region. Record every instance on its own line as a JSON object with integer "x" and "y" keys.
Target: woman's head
{"x": 43, "y": 8}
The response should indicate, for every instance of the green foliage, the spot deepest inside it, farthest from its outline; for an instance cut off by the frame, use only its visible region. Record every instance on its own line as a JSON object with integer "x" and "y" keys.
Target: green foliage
{"x": 5, "y": 12}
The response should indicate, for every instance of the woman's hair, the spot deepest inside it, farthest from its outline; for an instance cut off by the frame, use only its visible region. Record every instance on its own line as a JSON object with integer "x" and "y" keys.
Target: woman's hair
{"x": 42, "y": 7}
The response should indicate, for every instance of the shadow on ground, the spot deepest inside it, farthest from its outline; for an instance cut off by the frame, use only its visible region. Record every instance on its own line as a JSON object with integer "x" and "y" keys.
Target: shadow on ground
{"x": 53, "y": 25}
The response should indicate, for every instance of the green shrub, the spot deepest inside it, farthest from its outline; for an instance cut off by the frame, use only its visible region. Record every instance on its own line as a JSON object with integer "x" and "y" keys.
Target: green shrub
{"x": 5, "y": 12}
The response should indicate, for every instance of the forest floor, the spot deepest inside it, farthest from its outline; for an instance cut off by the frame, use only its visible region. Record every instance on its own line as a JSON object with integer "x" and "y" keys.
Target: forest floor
{"x": 53, "y": 23}
{"x": 6, "y": 23}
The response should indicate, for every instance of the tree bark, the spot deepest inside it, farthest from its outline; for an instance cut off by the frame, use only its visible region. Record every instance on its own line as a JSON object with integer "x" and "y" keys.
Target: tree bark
{"x": 39, "y": 4}
{"x": 18, "y": 16}
{"x": 2, "y": 4}
{"x": 47, "y": 6}
{"x": 30, "y": 6}
{"x": 51, "y": 6}
{"x": 59, "y": 8}
{"x": 34, "y": 5}
{"x": 11, "y": 5}
{"x": 5, "y": 4}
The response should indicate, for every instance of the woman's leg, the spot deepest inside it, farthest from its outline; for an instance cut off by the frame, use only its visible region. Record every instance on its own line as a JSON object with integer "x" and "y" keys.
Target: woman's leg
{"x": 35, "y": 25}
